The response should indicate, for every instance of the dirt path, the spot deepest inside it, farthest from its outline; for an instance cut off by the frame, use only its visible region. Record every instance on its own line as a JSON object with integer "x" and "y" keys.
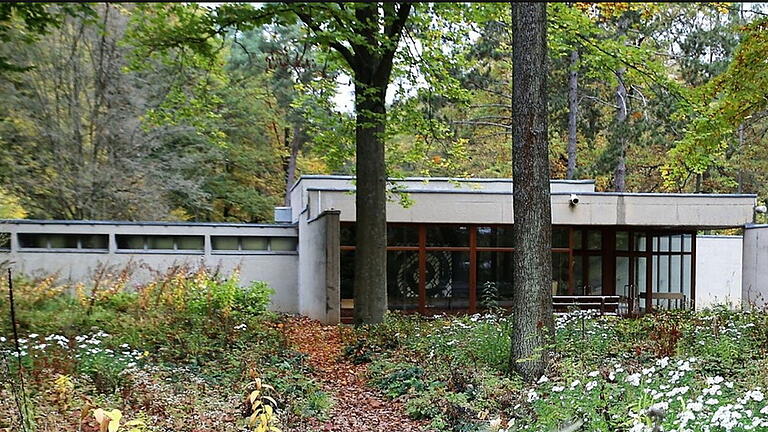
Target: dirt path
{"x": 357, "y": 408}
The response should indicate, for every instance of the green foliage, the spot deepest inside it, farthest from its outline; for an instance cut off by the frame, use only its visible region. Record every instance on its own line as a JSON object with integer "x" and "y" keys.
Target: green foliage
{"x": 697, "y": 369}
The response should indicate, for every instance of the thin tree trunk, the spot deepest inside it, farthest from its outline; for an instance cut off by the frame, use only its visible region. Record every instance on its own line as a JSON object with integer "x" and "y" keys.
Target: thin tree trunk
{"x": 370, "y": 287}
{"x": 573, "y": 111}
{"x": 620, "y": 175}
{"x": 532, "y": 317}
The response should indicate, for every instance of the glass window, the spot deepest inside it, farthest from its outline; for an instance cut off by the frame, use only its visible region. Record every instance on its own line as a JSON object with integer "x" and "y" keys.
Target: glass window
{"x": 402, "y": 280}
{"x": 129, "y": 241}
{"x": 347, "y": 272}
{"x": 159, "y": 242}
{"x": 560, "y": 237}
{"x": 253, "y": 243}
{"x": 347, "y": 234}
{"x": 402, "y": 235}
{"x": 190, "y": 242}
{"x": 640, "y": 242}
{"x": 675, "y": 278}
{"x": 622, "y": 240}
{"x": 495, "y": 237}
{"x": 577, "y": 237}
{"x": 494, "y": 279}
{"x": 687, "y": 242}
{"x": 595, "y": 276}
{"x": 447, "y": 281}
{"x": 5, "y": 240}
{"x": 622, "y": 276}
{"x": 579, "y": 275}
{"x": 94, "y": 241}
{"x": 559, "y": 273}
{"x": 62, "y": 241}
{"x": 33, "y": 241}
{"x": 594, "y": 240}
{"x": 224, "y": 243}
{"x": 282, "y": 244}
{"x": 676, "y": 243}
{"x": 447, "y": 236}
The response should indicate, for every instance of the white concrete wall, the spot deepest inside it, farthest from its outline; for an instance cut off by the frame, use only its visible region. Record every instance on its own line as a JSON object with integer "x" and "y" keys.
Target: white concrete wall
{"x": 278, "y": 269}
{"x": 318, "y": 275}
{"x": 755, "y": 274}
{"x": 663, "y": 210}
{"x": 718, "y": 271}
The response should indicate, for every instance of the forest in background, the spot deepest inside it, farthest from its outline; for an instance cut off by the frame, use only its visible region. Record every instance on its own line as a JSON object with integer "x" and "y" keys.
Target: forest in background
{"x": 98, "y": 120}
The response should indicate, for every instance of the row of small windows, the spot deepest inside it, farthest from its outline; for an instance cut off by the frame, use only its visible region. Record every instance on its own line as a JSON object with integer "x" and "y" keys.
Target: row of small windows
{"x": 192, "y": 243}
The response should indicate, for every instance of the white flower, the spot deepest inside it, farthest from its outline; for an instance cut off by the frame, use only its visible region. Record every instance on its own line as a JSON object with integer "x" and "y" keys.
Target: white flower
{"x": 542, "y": 380}
{"x": 590, "y": 385}
{"x": 532, "y": 395}
{"x": 711, "y": 401}
{"x": 764, "y": 410}
{"x": 755, "y": 395}
{"x": 634, "y": 379}
{"x": 558, "y": 389}
{"x": 594, "y": 374}
{"x": 695, "y": 406}
{"x": 495, "y": 423}
{"x": 575, "y": 383}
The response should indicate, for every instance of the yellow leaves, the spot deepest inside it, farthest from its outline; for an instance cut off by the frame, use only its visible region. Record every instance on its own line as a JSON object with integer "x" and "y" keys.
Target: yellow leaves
{"x": 109, "y": 421}
{"x": 263, "y": 417}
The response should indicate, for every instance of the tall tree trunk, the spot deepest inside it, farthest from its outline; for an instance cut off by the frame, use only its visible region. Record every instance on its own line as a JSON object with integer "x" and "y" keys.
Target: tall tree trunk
{"x": 620, "y": 174}
{"x": 297, "y": 140}
{"x": 370, "y": 287}
{"x": 532, "y": 317}
{"x": 619, "y": 130}
{"x": 573, "y": 111}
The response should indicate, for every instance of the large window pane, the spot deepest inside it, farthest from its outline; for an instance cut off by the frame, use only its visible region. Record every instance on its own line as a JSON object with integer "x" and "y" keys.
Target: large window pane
{"x": 455, "y": 236}
{"x": 33, "y": 241}
{"x": 447, "y": 281}
{"x": 622, "y": 276}
{"x": 94, "y": 241}
{"x": 595, "y": 286}
{"x": 160, "y": 242}
{"x": 580, "y": 275}
{"x": 560, "y": 237}
{"x": 494, "y": 279}
{"x": 347, "y": 272}
{"x": 559, "y": 273}
{"x": 228, "y": 243}
{"x": 403, "y": 280}
{"x": 622, "y": 241}
{"x": 62, "y": 241}
{"x": 190, "y": 242}
{"x": 687, "y": 241}
{"x": 5, "y": 240}
{"x": 577, "y": 239}
{"x": 594, "y": 240}
{"x": 640, "y": 282}
{"x": 347, "y": 234}
{"x": 129, "y": 241}
{"x": 676, "y": 243}
{"x": 640, "y": 242}
{"x": 494, "y": 237}
{"x": 282, "y": 243}
{"x": 402, "y": 235}
{"x": 253, "y": 243}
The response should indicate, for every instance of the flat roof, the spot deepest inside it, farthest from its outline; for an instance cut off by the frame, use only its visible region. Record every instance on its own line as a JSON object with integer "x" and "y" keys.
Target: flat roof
{"x": 141, "y": 223}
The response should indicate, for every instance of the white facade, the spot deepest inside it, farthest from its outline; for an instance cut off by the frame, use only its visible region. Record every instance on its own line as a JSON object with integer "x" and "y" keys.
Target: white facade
{"x": 718, "y": 271}
{"x": 305, "y": 274}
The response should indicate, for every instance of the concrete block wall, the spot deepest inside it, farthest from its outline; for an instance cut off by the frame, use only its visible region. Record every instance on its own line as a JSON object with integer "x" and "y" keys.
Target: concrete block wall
{"x": 319, "y": 281}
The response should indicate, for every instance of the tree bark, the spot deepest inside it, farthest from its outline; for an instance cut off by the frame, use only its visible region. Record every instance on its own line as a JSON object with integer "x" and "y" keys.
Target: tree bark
{"x": 370, "y": 287}
{"x": 573, "y": 111}
{"x": 296, "y": 142}
{"x": 620, "y": 174}
{"x": 532, "y": 317}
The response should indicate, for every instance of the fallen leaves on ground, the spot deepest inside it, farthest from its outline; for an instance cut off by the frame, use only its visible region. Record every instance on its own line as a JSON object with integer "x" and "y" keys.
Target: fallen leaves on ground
{"x": 357, "y": 407}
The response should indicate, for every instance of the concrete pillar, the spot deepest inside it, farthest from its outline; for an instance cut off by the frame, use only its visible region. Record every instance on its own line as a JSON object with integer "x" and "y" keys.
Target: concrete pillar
{"x": 319, "y": 267}
{"x": 332, "y": 267}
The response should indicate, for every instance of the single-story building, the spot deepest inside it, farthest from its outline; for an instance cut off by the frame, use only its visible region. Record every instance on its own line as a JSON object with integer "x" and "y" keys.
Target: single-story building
{"x": 450, "y": 251}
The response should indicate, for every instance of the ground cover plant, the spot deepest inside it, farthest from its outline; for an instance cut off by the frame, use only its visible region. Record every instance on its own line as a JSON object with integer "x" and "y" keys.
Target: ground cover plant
{"x": 191, "y": 350}
{"x": 677, "y": 370}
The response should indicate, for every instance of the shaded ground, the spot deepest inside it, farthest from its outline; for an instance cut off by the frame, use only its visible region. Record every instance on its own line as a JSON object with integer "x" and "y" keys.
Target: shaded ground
{"x": 356, "y": 406}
